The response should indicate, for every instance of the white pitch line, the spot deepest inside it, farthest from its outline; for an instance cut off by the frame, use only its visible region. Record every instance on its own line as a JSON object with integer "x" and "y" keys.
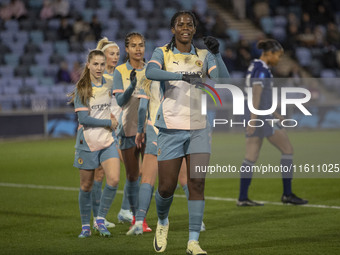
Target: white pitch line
{"x": 46, "y": 187}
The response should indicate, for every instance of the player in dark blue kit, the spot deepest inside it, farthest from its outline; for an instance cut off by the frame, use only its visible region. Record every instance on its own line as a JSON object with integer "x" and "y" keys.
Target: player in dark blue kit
{"x": 259, "y": 77}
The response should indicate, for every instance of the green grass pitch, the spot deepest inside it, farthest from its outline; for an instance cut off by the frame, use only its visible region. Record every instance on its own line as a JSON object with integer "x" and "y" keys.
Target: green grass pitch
{"x": 41, "y": 220}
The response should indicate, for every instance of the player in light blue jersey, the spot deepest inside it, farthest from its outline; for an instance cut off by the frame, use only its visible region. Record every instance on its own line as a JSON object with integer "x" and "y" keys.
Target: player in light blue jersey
{"x": 259, "y": 77}
{"x": 183, "y": 131}
{"x": 112, "y": 54}
{"x": 95, "y": 143}
{"x": 128, "y": 78}
{"x": 150, "y": 99}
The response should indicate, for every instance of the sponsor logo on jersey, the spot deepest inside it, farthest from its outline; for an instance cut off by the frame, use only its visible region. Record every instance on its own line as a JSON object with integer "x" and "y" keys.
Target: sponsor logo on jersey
{"x": 100, "y": 107}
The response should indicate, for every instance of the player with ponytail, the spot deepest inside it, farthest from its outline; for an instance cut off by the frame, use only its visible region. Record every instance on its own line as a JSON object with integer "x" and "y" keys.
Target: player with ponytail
{"x": 260, "y": 79}
{"x": 95, "y": 143}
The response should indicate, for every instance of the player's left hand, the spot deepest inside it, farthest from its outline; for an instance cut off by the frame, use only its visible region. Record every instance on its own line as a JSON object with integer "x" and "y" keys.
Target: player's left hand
{"x": 212, "y": 44}
{"x": 140, "y": 137}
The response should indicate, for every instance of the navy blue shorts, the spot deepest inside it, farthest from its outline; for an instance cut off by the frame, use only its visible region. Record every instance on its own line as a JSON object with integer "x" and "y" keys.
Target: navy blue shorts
{"x": 268, "y": 128}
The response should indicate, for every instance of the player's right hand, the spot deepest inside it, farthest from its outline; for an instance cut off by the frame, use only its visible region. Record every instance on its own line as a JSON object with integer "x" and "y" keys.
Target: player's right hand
{"x": 114, "y": 122}
{"x": 191, "y": 78}
{"x": 139, "y": 140}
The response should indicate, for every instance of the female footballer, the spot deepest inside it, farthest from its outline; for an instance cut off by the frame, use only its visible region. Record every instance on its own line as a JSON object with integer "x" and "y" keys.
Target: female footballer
{"x": 183, "y": 132}
{"x": 150, "y": 100}
{"x": 259, "y": 77}
{"x": 112, "y": 53}
{"x": 95, "y": 144}
{"x": 128, "y": 79}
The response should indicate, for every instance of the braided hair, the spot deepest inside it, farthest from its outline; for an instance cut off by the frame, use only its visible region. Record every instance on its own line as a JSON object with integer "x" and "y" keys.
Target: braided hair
{"x": 127, "y": 42}
{"x": 172, "y": 43}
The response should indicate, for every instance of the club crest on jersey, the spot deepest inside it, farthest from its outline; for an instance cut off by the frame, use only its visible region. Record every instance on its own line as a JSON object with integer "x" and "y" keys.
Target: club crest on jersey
{"x": 199, "y": 63}
{"x": 80, "y": 161}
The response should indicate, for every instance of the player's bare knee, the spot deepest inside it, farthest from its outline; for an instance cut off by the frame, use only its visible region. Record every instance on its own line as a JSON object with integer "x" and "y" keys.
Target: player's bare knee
{"x": 165, "y": 193}
{"x": 112, "y": 181}
{"x": 86, "y": 187}
{"x": 196, "y": 187}
{"x": 99, "y": 174}
{"x": 287, "y": 150}
{"x": 166, "y": 190}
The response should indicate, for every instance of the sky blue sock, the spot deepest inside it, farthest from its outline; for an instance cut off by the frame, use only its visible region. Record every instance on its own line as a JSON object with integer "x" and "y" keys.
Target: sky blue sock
{"x": 286, "y": 163}
{"x": 96, "y": 195}
{"x": 196, "y": 210}
{"x": 108, "y": 196}
{"x": 145, "y": 194}
{"x": 132, "y": 191}
{"x": 85, "y": 206}
{"x": 125, "y": 202}
{"x": 139, "y": 182}
{"x": 150, "y": 198}
{"x": 245, "y": 180}
{"x": 163, "y": 207}
{"x": 186, "y": 191}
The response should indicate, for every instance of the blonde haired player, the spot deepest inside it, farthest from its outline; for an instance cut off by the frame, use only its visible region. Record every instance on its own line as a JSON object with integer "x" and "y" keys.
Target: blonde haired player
{"x": 112, "y": 54}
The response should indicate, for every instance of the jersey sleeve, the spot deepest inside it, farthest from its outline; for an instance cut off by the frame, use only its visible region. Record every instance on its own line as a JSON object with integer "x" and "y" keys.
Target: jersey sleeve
{"x": 209, "y": 63}
{"x": 142, "y": 109}
{"x": 117, "y": 83}
{"x": 78, "y": 105}
{"x": 84, "y": 118}
{"x": 154, "y": 68}
{"x": 157, "y": 57}
{"x": 216, "y": 67}
{"x": 88, "y": 121}
{"x": 259, "y": 77}
{"x": 142, "y": 94}
{"x": 122, "y": 96}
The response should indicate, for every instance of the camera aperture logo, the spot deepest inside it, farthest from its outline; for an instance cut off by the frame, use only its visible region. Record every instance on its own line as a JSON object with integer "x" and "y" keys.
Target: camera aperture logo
{"x": 204, "y": 97}
{"x": 239, "y": 100}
